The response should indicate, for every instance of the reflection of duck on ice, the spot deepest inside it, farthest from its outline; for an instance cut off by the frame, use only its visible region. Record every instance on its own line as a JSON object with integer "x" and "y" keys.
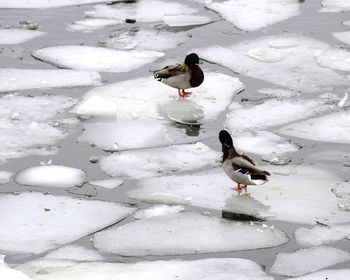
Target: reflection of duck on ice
{"x": 239, "y": 167}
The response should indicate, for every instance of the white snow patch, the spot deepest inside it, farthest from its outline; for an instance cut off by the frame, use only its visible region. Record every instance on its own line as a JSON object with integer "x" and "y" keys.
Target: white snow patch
{"x": 14, "y": 36}
{"x": 319, "y": 235}
{"x": 335, "y": 5}
{"x": 205, "y": 269}
{"x": 346, "y": 23}
{"x": 342, "y": 36}
{"x": 107, "y": 183}
{"x": 335, "y": 59}
{"x": 158, "y": 210}
{"x": 160, "y": 161}
{"x": 51, "y": 176}
{"x": 333, "y": 127}
{"x": 185, "y": 233}
{"x": 142, "y": 39}
{"x": 75, "y": 253}
{"x": 35, "y": 223}
{"x": 278, "y": 93}
{"x": 339, "y": 274}
{"x": 34, "y": 4}
{"x": 10, "y": 274}
{"x": 96, "y": 58}
{"x": 252, "y": 15}
{"x": 92, "y": 24}
{"x": 287, "y": 61}
{"x": 20, "y": 79}
{"x": 5, "y": 176}
{"x": 304, "y": 261}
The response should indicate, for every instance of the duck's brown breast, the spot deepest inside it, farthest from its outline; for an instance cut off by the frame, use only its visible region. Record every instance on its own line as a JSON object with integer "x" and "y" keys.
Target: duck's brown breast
{"x": 197, "y": 75}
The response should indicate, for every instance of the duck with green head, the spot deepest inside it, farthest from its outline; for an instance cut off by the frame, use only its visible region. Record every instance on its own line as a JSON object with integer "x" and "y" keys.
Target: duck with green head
{"x": 182, "y": 76}
{"x": 239, "y": 167}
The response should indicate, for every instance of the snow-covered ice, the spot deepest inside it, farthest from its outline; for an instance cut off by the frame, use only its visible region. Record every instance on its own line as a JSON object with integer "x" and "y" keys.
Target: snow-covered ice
{"x": 34, "y": 4}
{"x": 335, "y": 5}
{"x": 5, "y": 176}
{"x": 158, "y": 210}
{"x": 160, "y": 161}
{"x": 13, "y": 36}
{"x": 335, "y": 59}
{"x": 336, "y": 274}
{"x": 10, "y": 274}
{"x": 307, "y": 187}
{"x": 334, "y": 127}
{"x": 92, "y": 24}
{"x": 279, "y": 93}
{"x": 75, "y": 253}
{"x": 320, "y": 235}
{"x": 287, "y": 61}
{"x": 35, "y": 223}
{"x": 304, "y": 261}
{"x": 251, "y": 15}
{"x": 204, "y": 269}
{"x": 342, "y": 36}
{"x": 107, "y": 183}
{"x": 51, "y": 176}
{"x": 143, "y": 39}
{"x": 185, "y": 20}
{"x": 96, "y": 58}
{"x": 20, "y": 79}
{"x": 185, "y": 233}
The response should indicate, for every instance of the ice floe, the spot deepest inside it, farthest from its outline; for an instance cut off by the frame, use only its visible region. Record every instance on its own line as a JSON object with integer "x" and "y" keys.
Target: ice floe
{"x": 34, "y": 4}
{"x": 342, "y": 36}
{"x": 143, "y": 39}
{"x": 335, "y": 59}
{"x": 185, "y": 233}
{"x": 158, "y": 210}
{"x": 13, "y": 36}
{"x": 252, "y": 15}
{"x": 75, "y": 253}
{"x": 172, "y": 13}
{"x": 160, "y": 161}
{"x": 278, "y": 93}
{"x": 320, "y": 235}
{"x": 107, "y": 183}
{"x": 32, "y": 124}
{"x": 205, "y": 269}
{"x": 10, "y": 274}
{"x": 333, "y": 127}
{"x": 307, "y": 187}
{"x": 51, "y": 176}
{"x": 304, "y": 261}
{"x": 20, "y": 79}
{"x": 148, "y": 98}
{"x": 5, "y": 176}
{"x": 34, "y": 222}
{"x": 335, "y": 5}
{"x": 339, "y": 274}
{"x": 288, "y": 61}
{"x": 96, "y": 58}
{"x": 92, "y": 24}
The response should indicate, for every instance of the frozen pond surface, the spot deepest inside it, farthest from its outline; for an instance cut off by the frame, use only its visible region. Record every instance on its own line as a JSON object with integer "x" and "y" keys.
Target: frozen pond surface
{"x": 99, "y": 179}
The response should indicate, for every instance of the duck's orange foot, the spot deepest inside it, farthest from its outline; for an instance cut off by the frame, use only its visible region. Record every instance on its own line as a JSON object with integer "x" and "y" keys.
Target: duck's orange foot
{"x": 239, "y": 187}
{"x": 184, "y": 94}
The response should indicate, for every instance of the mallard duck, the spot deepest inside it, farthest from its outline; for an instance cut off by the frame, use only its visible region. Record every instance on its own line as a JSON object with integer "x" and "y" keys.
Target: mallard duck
{"x": 182, "y": 76}
{"x": 239, "y": 167}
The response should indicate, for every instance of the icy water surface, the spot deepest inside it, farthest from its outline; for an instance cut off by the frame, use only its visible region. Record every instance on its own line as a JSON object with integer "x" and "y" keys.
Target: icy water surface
{"x": 100, "y": 179}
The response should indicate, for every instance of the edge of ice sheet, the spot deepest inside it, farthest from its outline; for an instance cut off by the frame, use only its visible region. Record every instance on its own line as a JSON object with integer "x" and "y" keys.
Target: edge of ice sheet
{"x": 13, "y": 36}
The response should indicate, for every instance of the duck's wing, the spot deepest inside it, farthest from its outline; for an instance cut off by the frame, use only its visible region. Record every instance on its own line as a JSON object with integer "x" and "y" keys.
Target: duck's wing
{"x": 170, "y": 71}
{"x": 247, "y": 163}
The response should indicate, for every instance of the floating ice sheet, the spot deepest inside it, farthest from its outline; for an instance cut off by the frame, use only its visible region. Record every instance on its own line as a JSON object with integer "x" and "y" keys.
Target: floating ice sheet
{"x": 5, "y": 176}
{"x": 252, "y": 15}
{"x": 96, "y": 58}
{"x": 185, "y": 20}
{"x": 9, "y": 273}
{"x": 14, "y": 36}
{"x": 333, "y": 127}
{"x": 92, "y": 24}
{"x": 34, "y": 222}
{"x": 185, "y": 233}
{"x": 20, "y": 79}
{"x": 339, "y": 274}
{"x": 142, "y": 97}
{"x": 74, "y": 252}
{"x": 278, "y": 93}
{"x": 205, "y": 269}
{"x": 304, "y": 261}
{"x": 307, "y": 187}
{"x": 158, "y": 210}
{"x": 120, "y": 135}
{"x": 335, "y": 5}
{"x": 288, "y": 61}
{"x": 136, "y": 38}
{"x": 319, "y": 235}
{"x": 342, "y": 36}
{"x": 107, "y": 183}
{"x": 160, "y": 161}
{"x": 335, "y": 58}
{"x": 51, "y": 176}
{"x": 34, "y": 4}
{"x": 31, "y": 124}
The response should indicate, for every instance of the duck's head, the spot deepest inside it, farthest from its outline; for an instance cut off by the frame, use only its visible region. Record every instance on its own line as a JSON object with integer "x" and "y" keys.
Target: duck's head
{"x": 225, "y": 138}
{"x": 191, "y": 59}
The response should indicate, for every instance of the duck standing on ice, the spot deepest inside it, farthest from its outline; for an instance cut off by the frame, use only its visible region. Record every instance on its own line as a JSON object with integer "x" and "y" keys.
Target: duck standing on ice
{"x": 182, "y": 76}
{"x": 239, "y": 167}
